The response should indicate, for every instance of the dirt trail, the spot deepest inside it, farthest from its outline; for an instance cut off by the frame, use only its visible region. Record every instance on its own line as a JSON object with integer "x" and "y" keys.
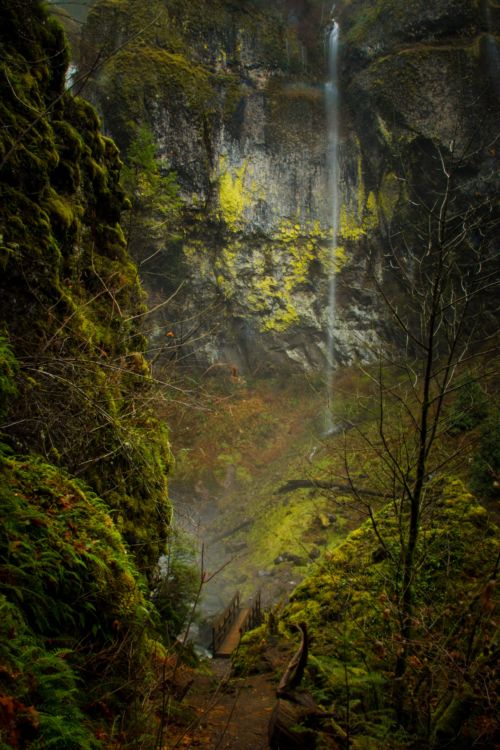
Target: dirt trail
{"x": 231, "y": 715}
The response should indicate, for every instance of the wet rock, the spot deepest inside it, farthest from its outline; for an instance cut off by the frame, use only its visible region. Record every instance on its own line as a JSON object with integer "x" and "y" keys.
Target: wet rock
{"x": 295, "y": 560}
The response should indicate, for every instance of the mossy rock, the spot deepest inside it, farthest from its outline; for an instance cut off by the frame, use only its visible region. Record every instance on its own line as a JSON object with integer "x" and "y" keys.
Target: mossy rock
{"x": 69, "y": 592}
{"x": 350, "y": 606}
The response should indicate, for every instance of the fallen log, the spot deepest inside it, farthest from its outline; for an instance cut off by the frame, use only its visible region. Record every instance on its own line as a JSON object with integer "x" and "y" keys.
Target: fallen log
{"x": 320, "y": 484}
{"x": 295, "y": 723}
{"x": 230, "y": 532}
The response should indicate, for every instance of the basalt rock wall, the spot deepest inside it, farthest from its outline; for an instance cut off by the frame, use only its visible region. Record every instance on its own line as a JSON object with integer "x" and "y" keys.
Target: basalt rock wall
{"x": 234, "y": 94}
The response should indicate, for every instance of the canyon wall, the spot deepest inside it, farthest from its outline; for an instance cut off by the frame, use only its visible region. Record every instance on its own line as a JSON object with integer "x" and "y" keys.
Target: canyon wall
{"x": 234, "y": 94}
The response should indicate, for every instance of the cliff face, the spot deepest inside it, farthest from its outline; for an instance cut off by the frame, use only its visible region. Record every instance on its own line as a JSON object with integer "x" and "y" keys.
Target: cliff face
{"x": 235, "y": 97}
{"x": 237, "y": 114}
{"x": 420, "y": 74}
{"x": 421, "y": 99}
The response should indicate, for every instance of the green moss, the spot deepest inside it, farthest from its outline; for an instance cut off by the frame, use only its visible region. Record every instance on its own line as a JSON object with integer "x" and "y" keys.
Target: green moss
{"x": 350, "y": 605}
{"x": 65, "y": 262}
{"x": 68, "y": 591}
{"x": 60, "y": 211}
{"x": 72, "y": 600}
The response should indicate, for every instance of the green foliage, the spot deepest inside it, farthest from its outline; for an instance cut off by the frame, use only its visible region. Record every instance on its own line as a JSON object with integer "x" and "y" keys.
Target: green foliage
{"x": 351, "y": 607}
{"x": 470, "y": 406}
{"x": 40, "y": 704}
{"x": 8, "y": 370}
{"x": 154, "y": 195}
{"x": 485, "y": 470}
{"x": 72, "y": 604}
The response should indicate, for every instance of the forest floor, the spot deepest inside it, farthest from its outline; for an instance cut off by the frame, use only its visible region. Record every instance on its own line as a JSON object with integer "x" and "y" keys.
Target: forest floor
{"x": 228, "y": 713}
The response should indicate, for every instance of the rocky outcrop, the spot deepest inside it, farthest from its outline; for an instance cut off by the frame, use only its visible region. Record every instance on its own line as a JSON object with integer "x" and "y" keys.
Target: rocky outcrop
{"x": 420, "y": 92}
{"x": 235, "y": 97}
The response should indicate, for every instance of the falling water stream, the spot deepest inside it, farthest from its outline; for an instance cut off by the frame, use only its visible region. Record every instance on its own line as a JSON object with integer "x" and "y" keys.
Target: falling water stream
{"x": 332, "y": 106}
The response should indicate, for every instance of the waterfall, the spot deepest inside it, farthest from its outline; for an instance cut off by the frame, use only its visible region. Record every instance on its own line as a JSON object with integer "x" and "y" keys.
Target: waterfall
{"x": 332, "y": 105}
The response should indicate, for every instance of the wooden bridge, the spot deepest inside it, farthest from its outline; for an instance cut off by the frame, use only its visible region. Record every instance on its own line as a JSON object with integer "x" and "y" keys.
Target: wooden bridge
{"x": 228, "y": 628}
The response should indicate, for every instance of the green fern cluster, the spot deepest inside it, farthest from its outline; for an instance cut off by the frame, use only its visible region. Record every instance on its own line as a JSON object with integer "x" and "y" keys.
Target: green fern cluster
{"x": 73, "y": 607}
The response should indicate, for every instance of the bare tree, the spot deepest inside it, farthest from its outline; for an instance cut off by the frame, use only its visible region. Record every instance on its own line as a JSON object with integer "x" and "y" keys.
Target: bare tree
{"x": 438, "y": 280}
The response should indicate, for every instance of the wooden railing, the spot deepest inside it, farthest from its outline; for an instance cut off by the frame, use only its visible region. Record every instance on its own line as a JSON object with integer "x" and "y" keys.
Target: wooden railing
{"x": 222, "y": 624}
{"x": 254, "y": 616}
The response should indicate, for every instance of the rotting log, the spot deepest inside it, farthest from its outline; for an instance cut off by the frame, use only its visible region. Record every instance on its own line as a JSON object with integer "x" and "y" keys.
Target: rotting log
{"x": 296, "y": 717}
{"x": 243, "y": 525}
{"x": 319, "y": 484}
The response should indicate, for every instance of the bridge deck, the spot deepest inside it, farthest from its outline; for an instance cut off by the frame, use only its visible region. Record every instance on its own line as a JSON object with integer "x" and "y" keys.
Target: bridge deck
{"x": 232, "y": 638}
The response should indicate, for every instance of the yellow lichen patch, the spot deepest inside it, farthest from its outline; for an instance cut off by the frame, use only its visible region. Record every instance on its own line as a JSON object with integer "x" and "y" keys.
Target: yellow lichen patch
{"x": 349, "y": 226}
{"x": 301, "y": 248}
{"x": 389, "y": 195}
{"x": 355, "y": 225}
{"x": 262, "y": 293}
{"x": 303, "y": 244}
{"x": 281, "y": 320}
{"x": 225, "y": 286}
{"x": 232, "y": 193}
{"x": 273, "y": 271}
{"x": 340, "y": 258}
{"x": 273, "y": 302}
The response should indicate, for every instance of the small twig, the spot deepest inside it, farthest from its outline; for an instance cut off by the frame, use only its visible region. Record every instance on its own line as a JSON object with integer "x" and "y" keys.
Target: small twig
{"x": 158, "y": 306}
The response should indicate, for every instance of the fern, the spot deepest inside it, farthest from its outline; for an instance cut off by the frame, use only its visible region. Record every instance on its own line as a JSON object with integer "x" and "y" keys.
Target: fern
{"x": 64, "y": 566}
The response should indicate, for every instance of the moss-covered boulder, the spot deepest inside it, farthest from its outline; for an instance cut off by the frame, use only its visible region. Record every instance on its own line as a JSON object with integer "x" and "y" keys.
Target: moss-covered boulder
{"x": 75, "y": 619}
{"x": 351, "y": 605}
